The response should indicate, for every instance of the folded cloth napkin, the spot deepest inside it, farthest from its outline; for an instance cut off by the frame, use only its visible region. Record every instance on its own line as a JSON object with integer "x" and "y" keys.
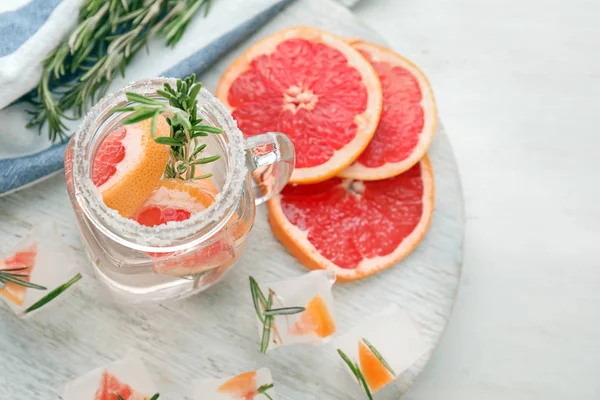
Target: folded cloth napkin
{"x": 30, "y": 29}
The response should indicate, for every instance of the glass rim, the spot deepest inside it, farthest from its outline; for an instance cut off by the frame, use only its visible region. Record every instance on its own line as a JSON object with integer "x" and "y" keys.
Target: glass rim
{"x": 172, "y": 236}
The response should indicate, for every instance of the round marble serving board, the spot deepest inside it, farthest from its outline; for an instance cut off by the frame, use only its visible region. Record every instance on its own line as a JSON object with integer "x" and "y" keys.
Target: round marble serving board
{"x": 214, "y": 334}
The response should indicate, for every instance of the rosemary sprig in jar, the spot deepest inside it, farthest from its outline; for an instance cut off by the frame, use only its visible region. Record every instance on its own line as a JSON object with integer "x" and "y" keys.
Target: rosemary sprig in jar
{"x": 186, "y": 125}
{"x": 263, "y": 307}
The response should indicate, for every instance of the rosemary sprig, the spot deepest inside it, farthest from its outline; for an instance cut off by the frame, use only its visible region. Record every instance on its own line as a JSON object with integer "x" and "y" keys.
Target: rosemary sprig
{"x": 108, "y": 36}
{"x": 265, "y": 312}
{"x": 354, "y": 368}
{"x": 379, "y": 356}
{"x": 263, "y": 390}
{"x": 186, "y": 125}
{"x": 53, "y": 294}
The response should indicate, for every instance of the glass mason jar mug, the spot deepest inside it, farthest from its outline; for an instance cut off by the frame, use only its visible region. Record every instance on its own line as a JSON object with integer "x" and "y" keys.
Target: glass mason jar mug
{"x": 153, "y": 263}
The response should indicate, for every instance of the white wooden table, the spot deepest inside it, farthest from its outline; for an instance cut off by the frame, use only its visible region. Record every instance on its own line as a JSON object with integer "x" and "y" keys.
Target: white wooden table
{"x": 214, "y": 334}
{"x": 518, "y": 86}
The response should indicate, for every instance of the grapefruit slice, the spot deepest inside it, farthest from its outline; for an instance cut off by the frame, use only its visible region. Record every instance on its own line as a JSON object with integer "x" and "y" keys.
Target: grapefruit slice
{"x": 312, "y": 86}
{"x": 21, "y": 259}
{"x": 374, "y": 371}
{"x": 111, "y": 386}
{"x": 177, "y": 200}
{"x": 314, "y": 320}
{"x": 128, "y": 165}
{"x": 408, "y": 119}
{"x": 242, "y": 386}
{"x": 354, "y": 228}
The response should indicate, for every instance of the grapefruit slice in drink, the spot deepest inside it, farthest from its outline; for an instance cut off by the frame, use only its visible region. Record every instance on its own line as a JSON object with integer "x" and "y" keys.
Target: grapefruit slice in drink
{"x": 129, "y": 163}
{"x": 175, "y": 201}
{"x": 355, "y": 228}
{"x": 375, "y": 372}
{"x": 314, "y": 320}
{"x": 111, "y": 386}
{"x": 407, "y": 122}
{"x": 21, "y": 259}
{"x": 241, "y": 387}
{"x": 312, "y": 86}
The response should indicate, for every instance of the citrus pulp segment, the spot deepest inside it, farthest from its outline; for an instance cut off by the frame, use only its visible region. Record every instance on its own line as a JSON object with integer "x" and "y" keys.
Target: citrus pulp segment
{"x": 314, "y": 320}
{"x": 408, "y": 119}
{"x": 21, "y": 259}
{"x": 242, "y": 386}
{"x": 355, "y": 228}
{"x": 129, "y": 163}
{"x": 312, "y": 86}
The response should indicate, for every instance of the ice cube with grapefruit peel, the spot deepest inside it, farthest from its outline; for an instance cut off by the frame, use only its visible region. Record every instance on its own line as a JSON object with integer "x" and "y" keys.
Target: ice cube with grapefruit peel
{"x": 351, "y": 227}
{"x": 252, "y": 385}
{"x": 314, "y": 322}
{"x": 127, "y": 378}
{"x": 111, "y": 387}
{"x": 383, "y": 346}
{"x": 22, "y": 262}
{"x": 312, "y": 86}
{"x": 41, "y": 258}
{"x": 128, "y": 165}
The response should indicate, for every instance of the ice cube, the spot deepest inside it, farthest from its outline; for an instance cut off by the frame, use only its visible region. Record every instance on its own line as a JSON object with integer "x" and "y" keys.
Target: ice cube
{"x": 127, "y": 376}
{"x": 316, "y": 324}
{"x": 257, "y": 385}
{"x": 383, "y": 346}
{"x": 48, "y": 262}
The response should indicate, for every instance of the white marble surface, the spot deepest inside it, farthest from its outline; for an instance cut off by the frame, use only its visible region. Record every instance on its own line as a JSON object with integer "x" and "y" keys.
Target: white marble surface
{"x": 518, "y": 87}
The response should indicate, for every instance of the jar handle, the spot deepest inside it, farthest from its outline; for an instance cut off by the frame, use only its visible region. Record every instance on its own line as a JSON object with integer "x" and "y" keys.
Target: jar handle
{"x": 270, "y": 158}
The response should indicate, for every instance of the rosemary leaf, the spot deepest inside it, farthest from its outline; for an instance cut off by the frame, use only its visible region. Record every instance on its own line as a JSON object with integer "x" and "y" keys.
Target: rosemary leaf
{"x": 255, "y": 290}
{"x": 263, "y": 390}
{"x": 206, "y": 160}
{"x": 356, "y": 372}
{"x": 379, "y": 356}
{"x": 14, "y": 278}
{"x": 264, "y": 343}
{"x": 170, "y": 141}
{"x": 53, "y": 294}
{"x": 284, "y": 311}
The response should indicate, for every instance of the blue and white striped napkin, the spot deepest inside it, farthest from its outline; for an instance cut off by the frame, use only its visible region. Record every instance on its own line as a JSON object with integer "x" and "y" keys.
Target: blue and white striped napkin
{"x": 30, "y": 29}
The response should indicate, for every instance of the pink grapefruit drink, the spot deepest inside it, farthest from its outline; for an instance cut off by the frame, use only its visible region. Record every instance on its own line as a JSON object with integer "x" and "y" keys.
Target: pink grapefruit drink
{"x": 153, "y": 234}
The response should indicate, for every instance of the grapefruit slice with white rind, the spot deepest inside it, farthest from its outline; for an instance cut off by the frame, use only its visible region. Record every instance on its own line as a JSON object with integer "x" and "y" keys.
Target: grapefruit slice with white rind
{"x": 129, "y": 163}
{"x": 408, "y": 119}
{"x": 312, "y": 86}
{"x": 355, "y": 228}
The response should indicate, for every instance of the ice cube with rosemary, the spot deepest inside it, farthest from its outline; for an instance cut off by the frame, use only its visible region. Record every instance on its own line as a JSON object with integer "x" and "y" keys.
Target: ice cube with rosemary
{"x": 125, "y": 379}
{"x": 38, "y": 270}
{"x": 256, "y": 385}
{"x": 381, "y": 348}
{"x": 296, "y": 310}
